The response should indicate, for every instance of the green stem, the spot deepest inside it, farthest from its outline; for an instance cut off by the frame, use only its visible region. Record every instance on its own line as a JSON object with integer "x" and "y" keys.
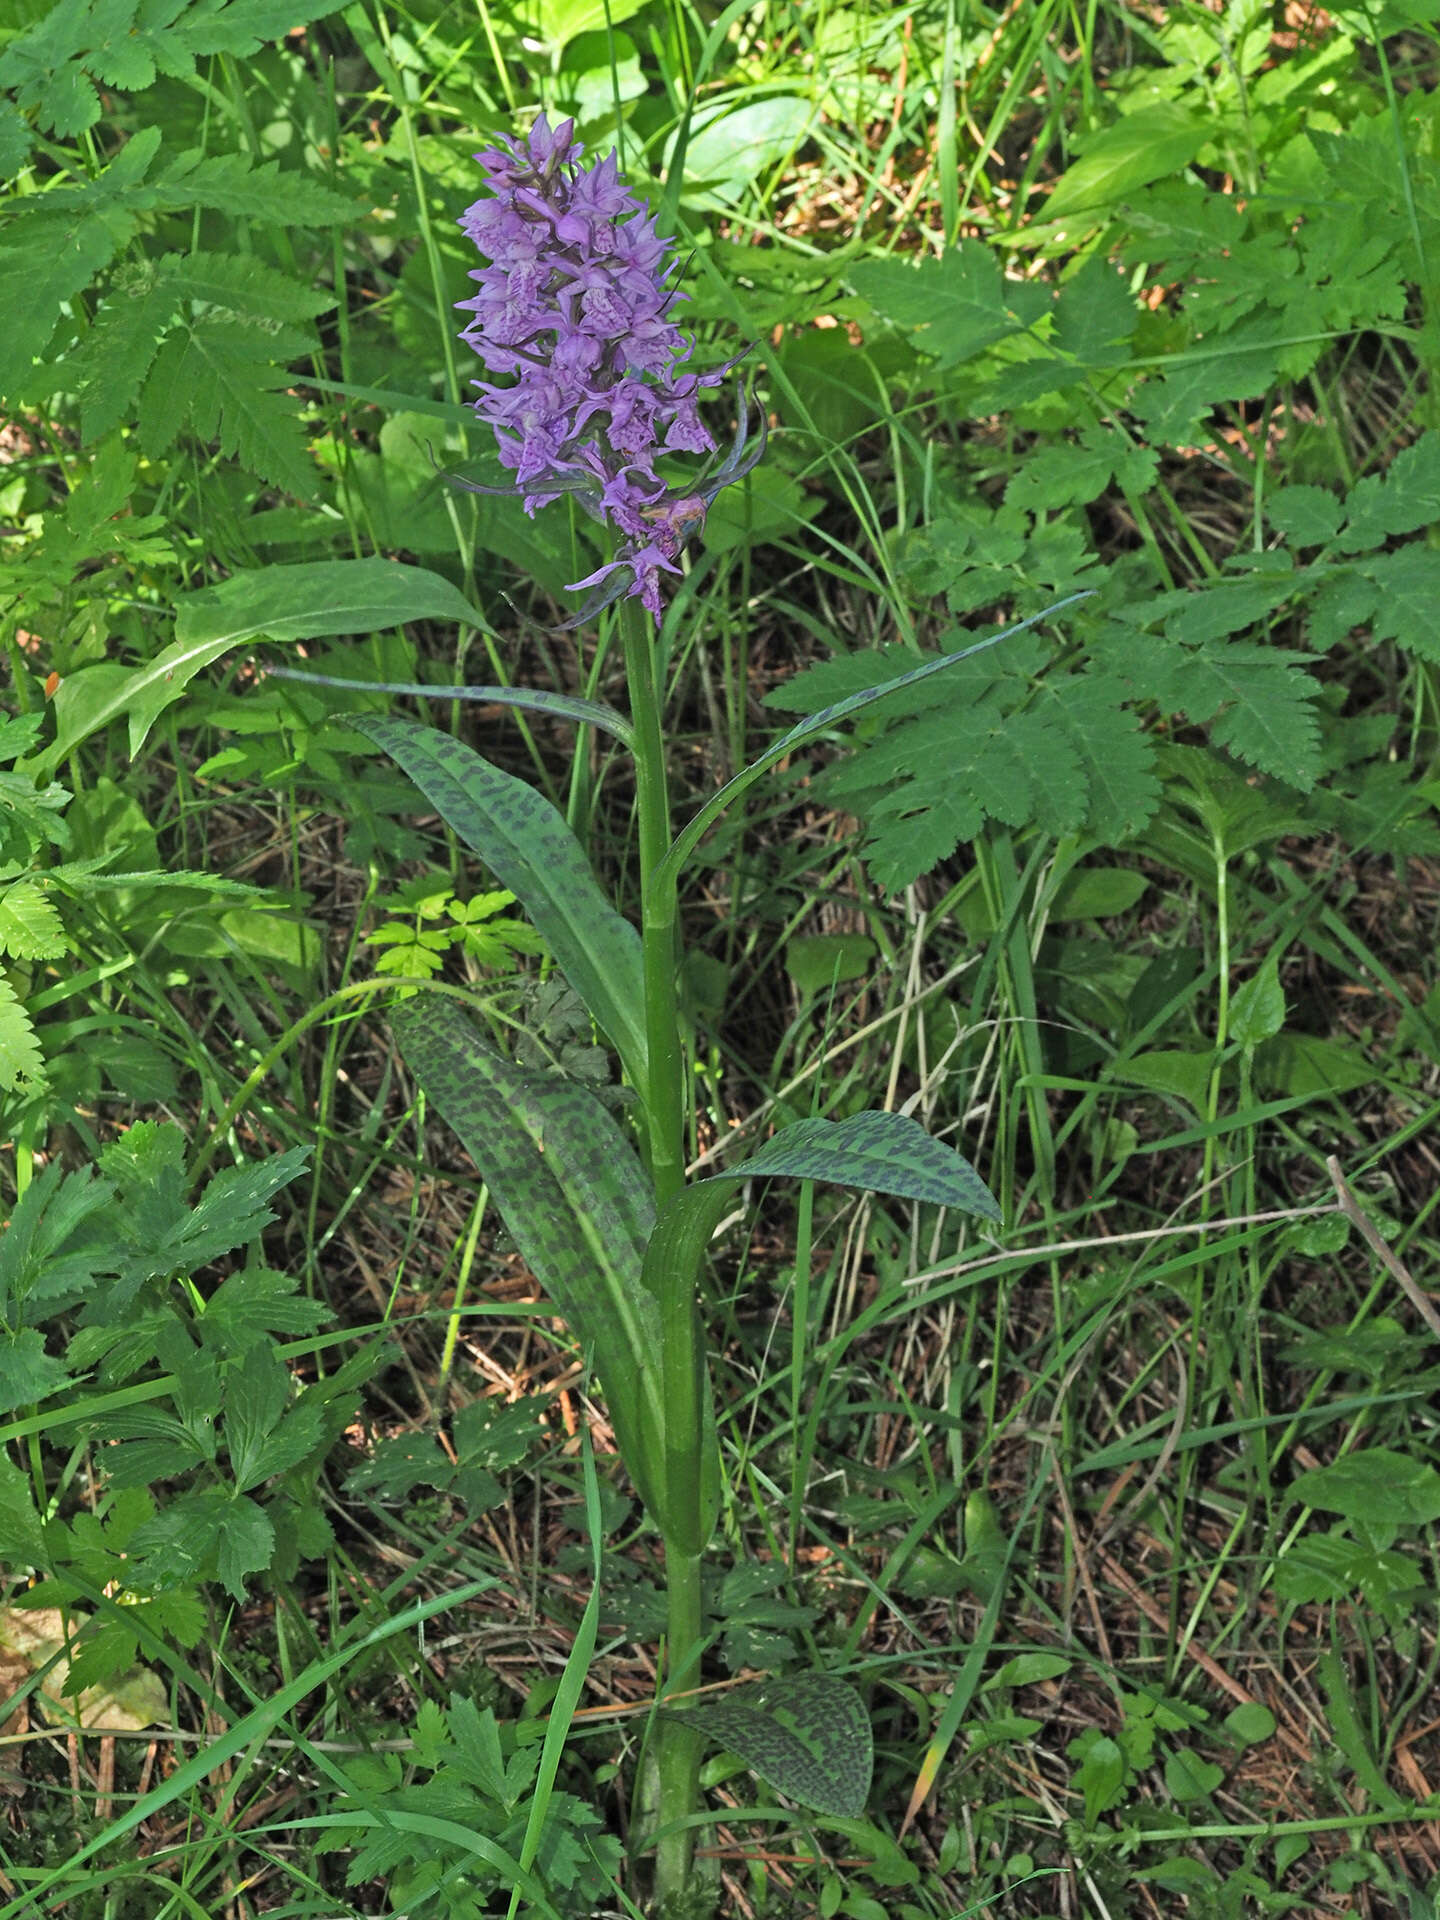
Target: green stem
{"x": 681, "y": 1354}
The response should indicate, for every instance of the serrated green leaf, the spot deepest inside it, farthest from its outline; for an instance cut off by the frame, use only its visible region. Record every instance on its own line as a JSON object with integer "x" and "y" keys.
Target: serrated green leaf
{"x": 120, "y": 348}
{"x": 22, "y": 1539}
{"x": 261, "y": 1437}
{"x": 1376, "y": 1484}
{"x": 807, "y": 1734}
{"x": 30, "y": 927}
{"x": 961, "y": 303}
{"x": 529, "y": 847}
{"x": 254, "y": 1304}
{"x": 21, "y": 1060}
{"x": 233, "y": 384}
{"x": 1310, "y": 516}
{"x": 27, "y": 1372}
{"x": 247, "y": 1545}
{"x": 45, "y": 259}
{"x": 228, "y": 183}
{"x": 1408, "y": 592}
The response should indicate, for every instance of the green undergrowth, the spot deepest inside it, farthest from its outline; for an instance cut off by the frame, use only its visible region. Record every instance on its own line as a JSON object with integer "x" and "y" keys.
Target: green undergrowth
{"x": 323, "y": 1591}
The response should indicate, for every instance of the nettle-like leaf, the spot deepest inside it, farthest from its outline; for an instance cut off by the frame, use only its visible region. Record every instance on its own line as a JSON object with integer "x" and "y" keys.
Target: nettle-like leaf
{"x": 1065, "y": 756}
{"x": 808, "y": 1734}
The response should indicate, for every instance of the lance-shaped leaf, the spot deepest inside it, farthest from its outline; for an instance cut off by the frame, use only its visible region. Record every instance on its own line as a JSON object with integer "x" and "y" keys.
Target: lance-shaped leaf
{"x": 561, "y": 706}
{"x": 877, "y": 1152}
{"x": 530, "y": 849}
{"x": 807, "y": 1734}
{"x": 579, "y": 1207}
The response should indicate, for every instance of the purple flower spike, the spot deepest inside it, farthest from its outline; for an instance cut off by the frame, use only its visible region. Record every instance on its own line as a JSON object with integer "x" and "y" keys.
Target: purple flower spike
{"x": 574, "y": 307}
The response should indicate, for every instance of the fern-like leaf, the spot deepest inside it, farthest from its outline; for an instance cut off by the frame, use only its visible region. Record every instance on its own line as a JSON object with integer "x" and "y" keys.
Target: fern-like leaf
{"x": 21, "y": 1063}
{"x": 30, "y": 927}
{"x": 220, "y": 376}
{"x": 121, "y": 346}
{"x": 45, "y": 259}
{"x": 227, "y": 183}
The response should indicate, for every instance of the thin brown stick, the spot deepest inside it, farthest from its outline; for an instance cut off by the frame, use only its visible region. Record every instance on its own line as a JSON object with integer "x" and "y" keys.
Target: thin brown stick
{"x": 1370, "y": 1233}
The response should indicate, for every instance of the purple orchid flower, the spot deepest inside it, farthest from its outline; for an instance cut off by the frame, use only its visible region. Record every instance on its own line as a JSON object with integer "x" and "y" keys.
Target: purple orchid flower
{"x": 574, "y": 307}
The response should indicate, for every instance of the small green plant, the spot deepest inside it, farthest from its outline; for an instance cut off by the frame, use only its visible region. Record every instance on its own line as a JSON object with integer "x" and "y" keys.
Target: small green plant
{"x": 210, "y": 1456}
{"x": 439, "y": 923}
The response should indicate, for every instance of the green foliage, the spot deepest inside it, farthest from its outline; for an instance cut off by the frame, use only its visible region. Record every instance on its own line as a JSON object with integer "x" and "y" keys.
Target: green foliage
{"x": 444, "y": 1832}
{"x": 441, "y": 923}
{"x": 207, "y": 1454}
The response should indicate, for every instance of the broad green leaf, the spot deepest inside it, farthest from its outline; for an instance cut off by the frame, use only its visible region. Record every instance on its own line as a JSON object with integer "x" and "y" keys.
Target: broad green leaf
{"x": 315, "y": 600}
{"x": 558, "y": 22}
{"x": 579, "y": 1207}
{"x": 1378, "y": 1485}
{"x": 319, "y": 600}
{"x": 1144, "y": 146}
{"x": 1189, "y": 1777}
{"x": 820, "y": 961}
{"x": 1098, "y": 893}
{"x": 528, "y": 846}
{"x": 1257, "y": 1011}
{"x": 727, "y": 150}
{"x": 808, "y": 1735}
{"x": 961, "y": 303}
{"x": 1173, "y": 1070}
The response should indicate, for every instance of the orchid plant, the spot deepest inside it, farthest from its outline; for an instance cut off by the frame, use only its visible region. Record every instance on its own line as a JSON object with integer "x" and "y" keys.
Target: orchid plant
{"x": 593, "y": 388}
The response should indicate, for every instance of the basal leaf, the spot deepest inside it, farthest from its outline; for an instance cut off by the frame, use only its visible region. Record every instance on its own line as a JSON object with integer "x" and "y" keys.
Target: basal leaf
{"x": 807, "y": 1734}
{"x": 578, "y": 1205}
{"x": 528, "y": 846}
